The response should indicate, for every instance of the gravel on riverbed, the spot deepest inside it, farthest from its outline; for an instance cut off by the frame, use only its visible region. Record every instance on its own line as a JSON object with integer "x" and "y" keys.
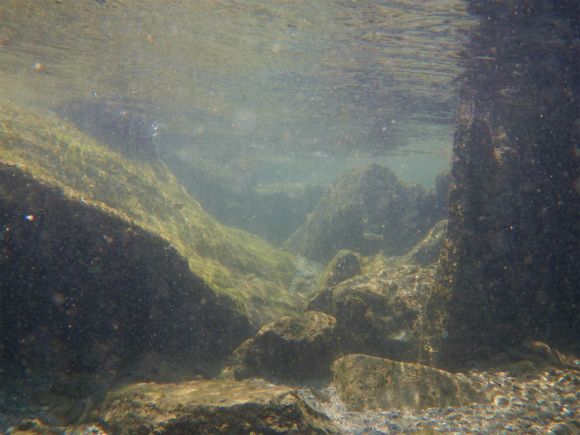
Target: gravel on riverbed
{"x": 540, "y": 403}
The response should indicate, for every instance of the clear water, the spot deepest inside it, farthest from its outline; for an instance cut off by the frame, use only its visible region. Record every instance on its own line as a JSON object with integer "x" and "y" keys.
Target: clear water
{"x": 284, "y": 91}
{"x": 321, "y": 86}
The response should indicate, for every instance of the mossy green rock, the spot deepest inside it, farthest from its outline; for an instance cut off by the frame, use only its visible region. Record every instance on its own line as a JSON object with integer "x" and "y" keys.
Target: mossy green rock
{"x": 379, "y": 313}
{"x": 344, "y": 265}
{"x": 147, "y": 195}
{"x": 104, "y": 259}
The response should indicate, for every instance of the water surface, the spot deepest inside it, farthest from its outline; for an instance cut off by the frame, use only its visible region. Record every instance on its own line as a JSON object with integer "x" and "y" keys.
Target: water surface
{"x": 341, "y": 80}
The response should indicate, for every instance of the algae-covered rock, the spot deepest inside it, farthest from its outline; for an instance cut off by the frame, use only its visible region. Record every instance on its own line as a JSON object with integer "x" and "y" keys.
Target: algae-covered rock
{"x": 379, "y": 313}
{"x": 211, "y": 407}
{"x": 426, "y": 252}
{"x": 365, "y": 382}
{"x": 290, "y": 349}
{"x": 345, "y": 264}
{"x": 146, "y": 194}
{"x": 105, "y": 257}
{"x": 367, "y": 210}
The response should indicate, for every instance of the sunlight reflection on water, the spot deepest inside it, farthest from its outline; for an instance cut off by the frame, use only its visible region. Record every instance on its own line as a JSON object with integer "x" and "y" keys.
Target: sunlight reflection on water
{"x": 335, "y": 78}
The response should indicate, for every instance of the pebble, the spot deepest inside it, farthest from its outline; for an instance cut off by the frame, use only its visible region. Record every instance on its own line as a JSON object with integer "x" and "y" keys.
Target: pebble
{"x": 501, "y": 401}
{"x": 560, "y": 429}
{"x": 521, "y": 405}
{"x": 511, "y": 410}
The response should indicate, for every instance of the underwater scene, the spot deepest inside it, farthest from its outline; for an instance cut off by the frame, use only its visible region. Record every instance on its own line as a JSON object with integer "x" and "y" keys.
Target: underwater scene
{"x": 355, "y": 217}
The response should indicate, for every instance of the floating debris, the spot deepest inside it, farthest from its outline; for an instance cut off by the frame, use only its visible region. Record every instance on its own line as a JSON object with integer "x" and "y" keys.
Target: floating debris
{"x": 368, "y": 235}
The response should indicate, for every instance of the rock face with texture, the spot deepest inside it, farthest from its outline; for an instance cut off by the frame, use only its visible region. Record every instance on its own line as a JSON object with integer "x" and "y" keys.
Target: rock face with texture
{"x": 367, "y": 210}
{"x": 344, "y": 265}
{"x": 379, "y": 313}
{"x": 297, "y": 348}
{"x": 84, "y": 291}
{"x": 211, "y": 407}
{"x": 365, "y": 382}
{"x": 510, "y": 263}
{"x": 427, "y": 251}
{"x": 104, "y": 257}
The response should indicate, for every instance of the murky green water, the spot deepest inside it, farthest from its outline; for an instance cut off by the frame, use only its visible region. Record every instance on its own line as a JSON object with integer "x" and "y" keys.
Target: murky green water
{"x": 327, "y": 84}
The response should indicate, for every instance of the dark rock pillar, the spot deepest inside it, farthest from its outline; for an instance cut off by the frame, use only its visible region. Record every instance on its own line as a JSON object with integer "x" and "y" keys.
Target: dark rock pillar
{"x": 510, "y": 264}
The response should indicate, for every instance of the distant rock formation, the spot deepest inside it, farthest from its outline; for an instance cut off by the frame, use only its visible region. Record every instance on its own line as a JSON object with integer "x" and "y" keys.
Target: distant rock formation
{"x": 368, "y": 210}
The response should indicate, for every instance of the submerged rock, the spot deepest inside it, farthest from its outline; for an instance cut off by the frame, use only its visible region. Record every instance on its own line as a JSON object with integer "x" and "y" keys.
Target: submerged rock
{"x": 98, "y": 266}
{"x": 146, "y": 194}
{"x": 84, "y": 290}
{"x": 291, "y": 349}
{"x": 344, "y": 265}
{"x": 211, "y": 407}
{"x": 379, "y": 313}
{"x": 364, "y": 382}
{"x": 367, "y": 210}
{"x": 510, "y": 262}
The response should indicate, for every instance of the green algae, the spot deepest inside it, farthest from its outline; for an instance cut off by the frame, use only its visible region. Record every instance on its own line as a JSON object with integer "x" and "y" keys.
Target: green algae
{"x": 344, "y": 265}
{"x": 145, "y": 194}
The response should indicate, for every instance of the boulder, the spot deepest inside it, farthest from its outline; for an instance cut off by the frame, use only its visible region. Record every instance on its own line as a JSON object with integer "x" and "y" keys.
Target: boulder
{"x": 345, "y": 264}
{"x": 105, "y": 257}
{"x": 365, "y": 382}
{"x": 510, "y": 262}
{"x": 291, "y": 349}
{"x": 211, "y": 407}
{"x": 367, "y": 210}
{"x": 84, "y": 290}
{"x": 379, "y": 313}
